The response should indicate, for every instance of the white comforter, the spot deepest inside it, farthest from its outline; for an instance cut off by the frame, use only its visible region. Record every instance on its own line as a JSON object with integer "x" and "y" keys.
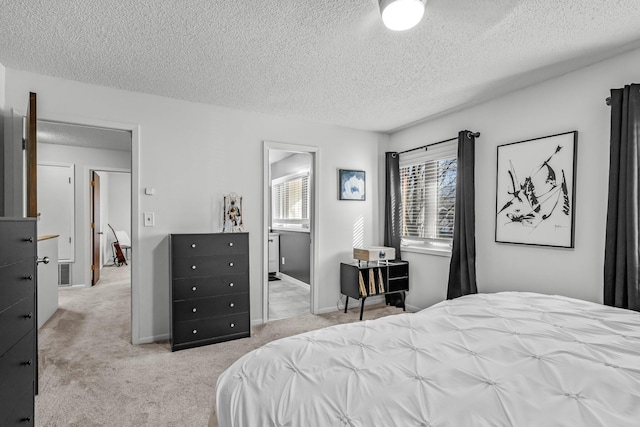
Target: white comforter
{"x": 506, "y": 359}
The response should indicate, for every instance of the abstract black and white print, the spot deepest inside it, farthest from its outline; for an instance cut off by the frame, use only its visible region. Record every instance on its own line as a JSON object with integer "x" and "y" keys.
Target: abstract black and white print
{"x": 535, "y": 191}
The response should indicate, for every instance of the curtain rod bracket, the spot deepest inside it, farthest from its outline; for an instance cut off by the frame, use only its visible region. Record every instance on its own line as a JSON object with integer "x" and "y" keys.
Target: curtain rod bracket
{"x": 608, "y": 100}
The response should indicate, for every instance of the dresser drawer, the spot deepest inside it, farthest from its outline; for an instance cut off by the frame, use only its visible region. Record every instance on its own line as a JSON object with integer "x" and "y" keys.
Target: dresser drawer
{"x": 202, "y": 329}
{"x": 17, "y": 366}
{"x": 200, "y": 266}
{"x": 185, "y": 245}
{"x": 211, "y": 307}
{"x": 20, "y": 409}
{"x": 17, "y": 281}
{"x": 22, "y": 318}
{"x": 201, "y": 287}
{"x": 18, "y": 241}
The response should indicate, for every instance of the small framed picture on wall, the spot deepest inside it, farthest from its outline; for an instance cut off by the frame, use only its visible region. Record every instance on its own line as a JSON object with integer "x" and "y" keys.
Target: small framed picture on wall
{"x": 351, "y": 185}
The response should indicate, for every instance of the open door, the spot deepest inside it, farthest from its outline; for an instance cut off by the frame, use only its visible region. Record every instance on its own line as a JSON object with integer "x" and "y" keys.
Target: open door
{"x": 95, "y": 227}
{"x": 30, "y": 146}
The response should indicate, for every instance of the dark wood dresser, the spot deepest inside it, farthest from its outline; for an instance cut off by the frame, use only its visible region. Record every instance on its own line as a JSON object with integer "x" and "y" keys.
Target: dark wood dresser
{"x": 209, "y": 288}
{"x": 18, "y": 333}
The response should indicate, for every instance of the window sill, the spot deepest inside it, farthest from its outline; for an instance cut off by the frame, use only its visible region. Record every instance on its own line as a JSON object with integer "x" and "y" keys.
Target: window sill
{"x": 427, "y": 251}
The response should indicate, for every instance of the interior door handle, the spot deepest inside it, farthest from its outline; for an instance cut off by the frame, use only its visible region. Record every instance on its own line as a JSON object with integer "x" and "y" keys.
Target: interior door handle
{"x": 44, "y": 260}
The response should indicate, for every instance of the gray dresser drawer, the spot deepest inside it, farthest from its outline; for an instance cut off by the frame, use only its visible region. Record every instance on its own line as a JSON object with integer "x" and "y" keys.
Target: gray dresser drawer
{"x": 17, "y": 281}
{"x": 199, "y": 266}
{"x": 205, "y": 329}
{"x": 225, "y": 305}
{"x": 186, "y": 245}
{"x": 202, "y": 287}
{"x": 18, "y": 241}
{"x": 22, "y": 317}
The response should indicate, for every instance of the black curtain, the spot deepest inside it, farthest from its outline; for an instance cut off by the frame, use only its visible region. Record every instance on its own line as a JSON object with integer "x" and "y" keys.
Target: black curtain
{"x": 392, "y": 232}
{"x": 462, "y": 271}
{"x": 621, "y": 258}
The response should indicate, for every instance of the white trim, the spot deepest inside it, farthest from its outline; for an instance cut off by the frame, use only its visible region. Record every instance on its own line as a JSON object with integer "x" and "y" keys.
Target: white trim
{"x": 426, "y": 251}
{"x": 314, "y": 232}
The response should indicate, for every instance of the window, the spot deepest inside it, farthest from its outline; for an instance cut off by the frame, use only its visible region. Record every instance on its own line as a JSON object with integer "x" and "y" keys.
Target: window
{"x": 428, "y": 188}
{"x": 290, "y": 201}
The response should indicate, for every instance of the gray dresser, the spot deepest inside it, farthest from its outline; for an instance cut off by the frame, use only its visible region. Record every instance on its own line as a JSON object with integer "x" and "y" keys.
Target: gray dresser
{"x": 209, "y": 288}
{"x": 18, "y": 333}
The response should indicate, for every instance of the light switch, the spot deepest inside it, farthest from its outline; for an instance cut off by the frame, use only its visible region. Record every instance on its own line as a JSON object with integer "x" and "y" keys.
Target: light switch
{"x": 149, "y": 219}
{"x": 149, "y": 191}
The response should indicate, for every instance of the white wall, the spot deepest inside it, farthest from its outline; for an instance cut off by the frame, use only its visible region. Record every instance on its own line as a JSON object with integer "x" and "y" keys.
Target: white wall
{"x": 575, "y": 101}
{"x": 2, "y": 114}
{"x": 119, "y": 206}
{"x": 192, "y": 154}
{"x": 85, "y": 160}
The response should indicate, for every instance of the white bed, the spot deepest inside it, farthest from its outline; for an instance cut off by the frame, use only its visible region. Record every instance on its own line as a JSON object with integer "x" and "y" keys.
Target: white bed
{"x": 505, "y": 359}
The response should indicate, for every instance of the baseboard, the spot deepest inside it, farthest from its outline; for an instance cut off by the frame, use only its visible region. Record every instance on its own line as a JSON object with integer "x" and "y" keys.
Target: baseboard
{"x": 292, "y": 280}
{"x": 412, "y": 308}
{"x": 153, "y": 339}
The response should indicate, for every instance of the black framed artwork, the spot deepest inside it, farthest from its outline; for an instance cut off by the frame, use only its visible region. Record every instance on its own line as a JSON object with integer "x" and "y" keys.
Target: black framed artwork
{"x": 535, "y": 191}
{"x": 351, "y": 184}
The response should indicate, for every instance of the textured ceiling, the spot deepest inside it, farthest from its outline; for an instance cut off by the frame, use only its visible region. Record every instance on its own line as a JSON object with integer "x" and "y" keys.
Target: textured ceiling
{"x": 326, "y": 61}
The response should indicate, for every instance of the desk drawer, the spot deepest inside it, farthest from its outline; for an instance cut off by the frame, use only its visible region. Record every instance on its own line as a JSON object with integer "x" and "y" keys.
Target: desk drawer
{"x": 211, "y": 307}
{"x": 21, "y": 317}
{"x": 17, "y": 281}
{"x": 196, "y": 330}
{"x": 18, "y": 241}
{"x": 200, "y": 266}
{"x": 185, "y": 245}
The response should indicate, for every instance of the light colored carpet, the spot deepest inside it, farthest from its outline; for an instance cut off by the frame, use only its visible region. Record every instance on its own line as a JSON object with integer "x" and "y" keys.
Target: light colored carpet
{"x": 90, "y": 374}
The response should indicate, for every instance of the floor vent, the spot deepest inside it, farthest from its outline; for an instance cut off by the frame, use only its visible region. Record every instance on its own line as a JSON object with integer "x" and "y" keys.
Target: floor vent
{"x": 64, "y": 274}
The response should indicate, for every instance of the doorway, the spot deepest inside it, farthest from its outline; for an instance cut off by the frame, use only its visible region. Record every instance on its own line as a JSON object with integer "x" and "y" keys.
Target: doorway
{"x": 290, "y": 230}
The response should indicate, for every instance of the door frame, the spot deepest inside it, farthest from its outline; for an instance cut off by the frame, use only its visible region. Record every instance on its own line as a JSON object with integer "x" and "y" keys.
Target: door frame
{"x": 135, "y": 198}
{"x": 313, "y": 223}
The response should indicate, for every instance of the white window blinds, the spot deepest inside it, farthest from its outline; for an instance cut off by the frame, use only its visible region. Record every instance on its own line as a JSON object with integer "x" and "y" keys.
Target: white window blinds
{"x": 290, "y": 200}
{"x": 428, "y": 187}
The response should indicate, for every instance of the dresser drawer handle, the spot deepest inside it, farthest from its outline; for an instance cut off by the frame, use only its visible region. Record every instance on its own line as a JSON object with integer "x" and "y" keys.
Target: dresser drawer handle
{"x": 194, "y": 289}
{"x": 28, "y": 239}
{"x": 230, "y": 264}
{"x": 26, "y": 420}
{"x": 233, "y": 325}
{"x": 232, "y": 305}
{"x": 28, "y": 316}
{"x": 230, "y": 243}
{"x": 27, "y": 363}
{"x": 231, "y": 284}
{"x": 29, "y": 277}
{"x": 193, "y": 267}
{"x": 194, "y": 310}
{"x": 195, "y": 331}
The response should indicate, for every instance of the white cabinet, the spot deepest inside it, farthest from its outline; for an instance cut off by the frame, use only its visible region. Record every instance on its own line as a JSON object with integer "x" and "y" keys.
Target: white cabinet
{"x": 274, "y": 253}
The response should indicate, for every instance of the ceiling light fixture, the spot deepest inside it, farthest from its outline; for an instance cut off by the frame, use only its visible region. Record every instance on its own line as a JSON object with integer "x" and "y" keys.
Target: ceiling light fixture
{"x": 400, "y": 15}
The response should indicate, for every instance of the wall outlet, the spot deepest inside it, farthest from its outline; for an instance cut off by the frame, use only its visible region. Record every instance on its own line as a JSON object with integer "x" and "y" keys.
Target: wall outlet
{"x": 149, "y": 219}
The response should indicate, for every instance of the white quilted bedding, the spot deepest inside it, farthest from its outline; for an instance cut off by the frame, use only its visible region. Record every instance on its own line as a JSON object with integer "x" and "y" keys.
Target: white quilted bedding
{"x": 506, "y": 359}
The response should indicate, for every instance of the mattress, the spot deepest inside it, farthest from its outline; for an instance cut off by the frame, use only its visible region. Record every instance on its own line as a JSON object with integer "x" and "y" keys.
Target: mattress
{"x": 505, "y": 359}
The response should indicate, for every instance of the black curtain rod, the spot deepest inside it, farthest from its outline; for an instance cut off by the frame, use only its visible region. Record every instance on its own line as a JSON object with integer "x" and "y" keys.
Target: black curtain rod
{"x": 474, "y": 134}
